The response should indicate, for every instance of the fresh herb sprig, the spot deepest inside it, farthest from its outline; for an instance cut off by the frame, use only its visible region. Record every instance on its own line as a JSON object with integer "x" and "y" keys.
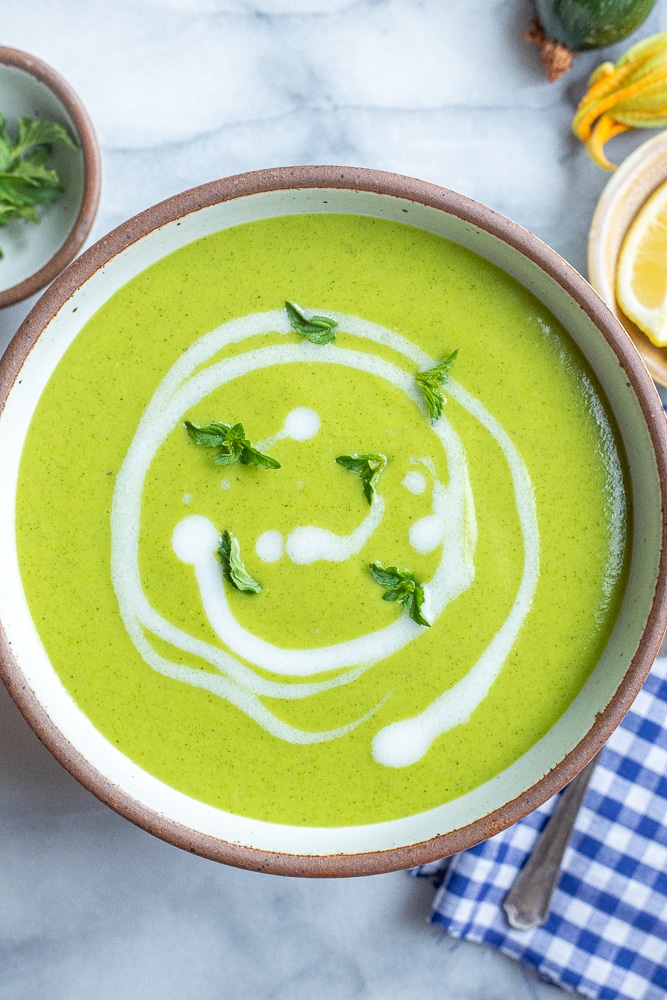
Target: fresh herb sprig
{"x": 233, "y": 569}
{"x": 401, "y": 587}
{"x": 431, "y": 382}
{"x": 316, "y": 329}
{"x": 233, "y": 444}
{"x": 25, "y": 180}
{"x": 369, "y": 468}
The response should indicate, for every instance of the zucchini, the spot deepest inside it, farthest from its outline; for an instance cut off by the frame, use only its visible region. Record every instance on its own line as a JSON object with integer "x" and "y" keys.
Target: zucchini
{"x": 591, "y": 24}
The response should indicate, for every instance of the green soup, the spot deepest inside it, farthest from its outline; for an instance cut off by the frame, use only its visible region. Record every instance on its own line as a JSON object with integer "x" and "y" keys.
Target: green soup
{"x": 316, "y": 701}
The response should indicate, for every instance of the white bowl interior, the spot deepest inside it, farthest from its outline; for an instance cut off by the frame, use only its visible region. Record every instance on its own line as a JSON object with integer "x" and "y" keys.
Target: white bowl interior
{"x": 151, "y": 794}
{"x": 27, "y": 247}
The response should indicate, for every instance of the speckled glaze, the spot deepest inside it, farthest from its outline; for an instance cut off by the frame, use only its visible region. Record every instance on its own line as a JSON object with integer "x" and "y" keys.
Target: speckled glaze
{"x": 642, "y": 431}
{"x": 632, "y": 183}
{"x": 37, "y": 90}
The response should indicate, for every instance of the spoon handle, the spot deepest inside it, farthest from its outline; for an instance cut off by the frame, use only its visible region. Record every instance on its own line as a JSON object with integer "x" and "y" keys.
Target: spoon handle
{"x": 527, "y": 903}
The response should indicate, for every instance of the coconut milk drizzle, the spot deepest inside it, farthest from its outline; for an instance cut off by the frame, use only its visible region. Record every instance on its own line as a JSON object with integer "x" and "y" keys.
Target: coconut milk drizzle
{"x": 451, "y": 526}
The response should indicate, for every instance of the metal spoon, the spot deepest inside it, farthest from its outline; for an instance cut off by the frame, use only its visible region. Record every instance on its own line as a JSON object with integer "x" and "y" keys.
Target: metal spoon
{"x": 527, "y": 903}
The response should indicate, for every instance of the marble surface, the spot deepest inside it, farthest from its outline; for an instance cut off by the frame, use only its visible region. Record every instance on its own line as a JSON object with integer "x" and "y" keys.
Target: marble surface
{"x": 181, "y": 92}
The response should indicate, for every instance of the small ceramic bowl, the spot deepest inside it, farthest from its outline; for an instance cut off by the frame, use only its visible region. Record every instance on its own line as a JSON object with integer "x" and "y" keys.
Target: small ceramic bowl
{"x": 34, "y": 254}
{"x": 629, "y": 188}
{"x": 283, "y": 848}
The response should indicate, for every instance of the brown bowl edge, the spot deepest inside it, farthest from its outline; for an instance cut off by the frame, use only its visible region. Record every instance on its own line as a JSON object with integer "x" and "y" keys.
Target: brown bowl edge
{"x": 478, "y": 215}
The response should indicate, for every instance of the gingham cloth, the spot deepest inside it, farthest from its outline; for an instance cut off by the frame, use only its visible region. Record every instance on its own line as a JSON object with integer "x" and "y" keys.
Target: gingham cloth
{"x": 606, "y": 935}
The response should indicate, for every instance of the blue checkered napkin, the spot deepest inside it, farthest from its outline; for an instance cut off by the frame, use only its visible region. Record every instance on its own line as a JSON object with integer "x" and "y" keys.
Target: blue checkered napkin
{"x": 606, "y": 936}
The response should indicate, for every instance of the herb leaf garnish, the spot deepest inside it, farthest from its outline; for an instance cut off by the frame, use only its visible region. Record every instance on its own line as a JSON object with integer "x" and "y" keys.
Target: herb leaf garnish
{"x": 431, "y": 383}
{"x": 369, "y": 468}
{"x": 233, "y": 445}
{"x": 233, "y": 569}
{"x": 402, "y": 587}
{"x": 317, "y": 329}
{"x": 25, "y": 181}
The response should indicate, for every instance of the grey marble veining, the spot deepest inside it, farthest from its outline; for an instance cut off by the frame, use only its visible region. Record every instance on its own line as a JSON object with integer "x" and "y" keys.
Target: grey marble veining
{"x": 182, "y": 92}
{"x": 94, "y": 909}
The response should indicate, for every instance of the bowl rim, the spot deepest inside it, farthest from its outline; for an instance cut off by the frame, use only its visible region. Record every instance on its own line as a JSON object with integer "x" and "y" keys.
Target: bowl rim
{"x": 92, "y": 173}
{"x": 507, "y": 231}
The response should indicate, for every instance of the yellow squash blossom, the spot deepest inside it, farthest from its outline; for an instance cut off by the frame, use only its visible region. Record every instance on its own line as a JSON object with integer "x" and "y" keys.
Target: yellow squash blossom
{"x": 631, "y": 93}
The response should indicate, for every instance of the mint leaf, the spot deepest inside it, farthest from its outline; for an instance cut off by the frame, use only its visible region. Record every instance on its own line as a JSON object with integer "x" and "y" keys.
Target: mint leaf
{"x": 7, "y": 213}
{"x": 34, "y": 132}
{"x": 251, "y": 456}
{"x": 18, "y": 191}
{"x": 233, "y": 445}
{"x": 28, "y": 212}
{"x": 369, "y": 468}
{"x": 431, "y": 383}
{"x": 25, "y": 180}
{"x": 233, "y": 569}
{"x": 5, "y": 144}
{"x": 317, "y": 329}
{"x": 211, "y": 436}
{"x": 401, "y": 587}
{"x": 385, "y": 577}
{"x": 32, "y": 169}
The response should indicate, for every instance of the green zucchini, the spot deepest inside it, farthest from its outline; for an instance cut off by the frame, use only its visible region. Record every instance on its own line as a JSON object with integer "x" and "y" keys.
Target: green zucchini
{"x": 591, "y": 24}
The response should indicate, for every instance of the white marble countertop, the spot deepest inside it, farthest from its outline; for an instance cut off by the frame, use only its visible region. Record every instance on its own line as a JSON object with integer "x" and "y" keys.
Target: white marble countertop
{"x": 182, "y": 92}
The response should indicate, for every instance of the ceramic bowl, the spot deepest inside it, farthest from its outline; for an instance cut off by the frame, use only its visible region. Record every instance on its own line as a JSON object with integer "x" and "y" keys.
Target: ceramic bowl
{"x": 377, "y": 847}
{"x": 34, "y": 254}
{"x": 630, "y": 186}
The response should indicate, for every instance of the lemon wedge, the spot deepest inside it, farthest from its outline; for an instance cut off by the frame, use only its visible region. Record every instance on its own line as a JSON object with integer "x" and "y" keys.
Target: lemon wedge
{"x": 641, "y": 274}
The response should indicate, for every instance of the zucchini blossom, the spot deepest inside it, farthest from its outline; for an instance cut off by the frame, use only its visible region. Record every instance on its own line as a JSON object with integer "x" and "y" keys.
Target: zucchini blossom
{"x": 631, "y": 93}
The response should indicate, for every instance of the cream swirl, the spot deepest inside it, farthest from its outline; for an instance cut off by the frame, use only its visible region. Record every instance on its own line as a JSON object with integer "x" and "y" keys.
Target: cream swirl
{"x": 451, "y": 525}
